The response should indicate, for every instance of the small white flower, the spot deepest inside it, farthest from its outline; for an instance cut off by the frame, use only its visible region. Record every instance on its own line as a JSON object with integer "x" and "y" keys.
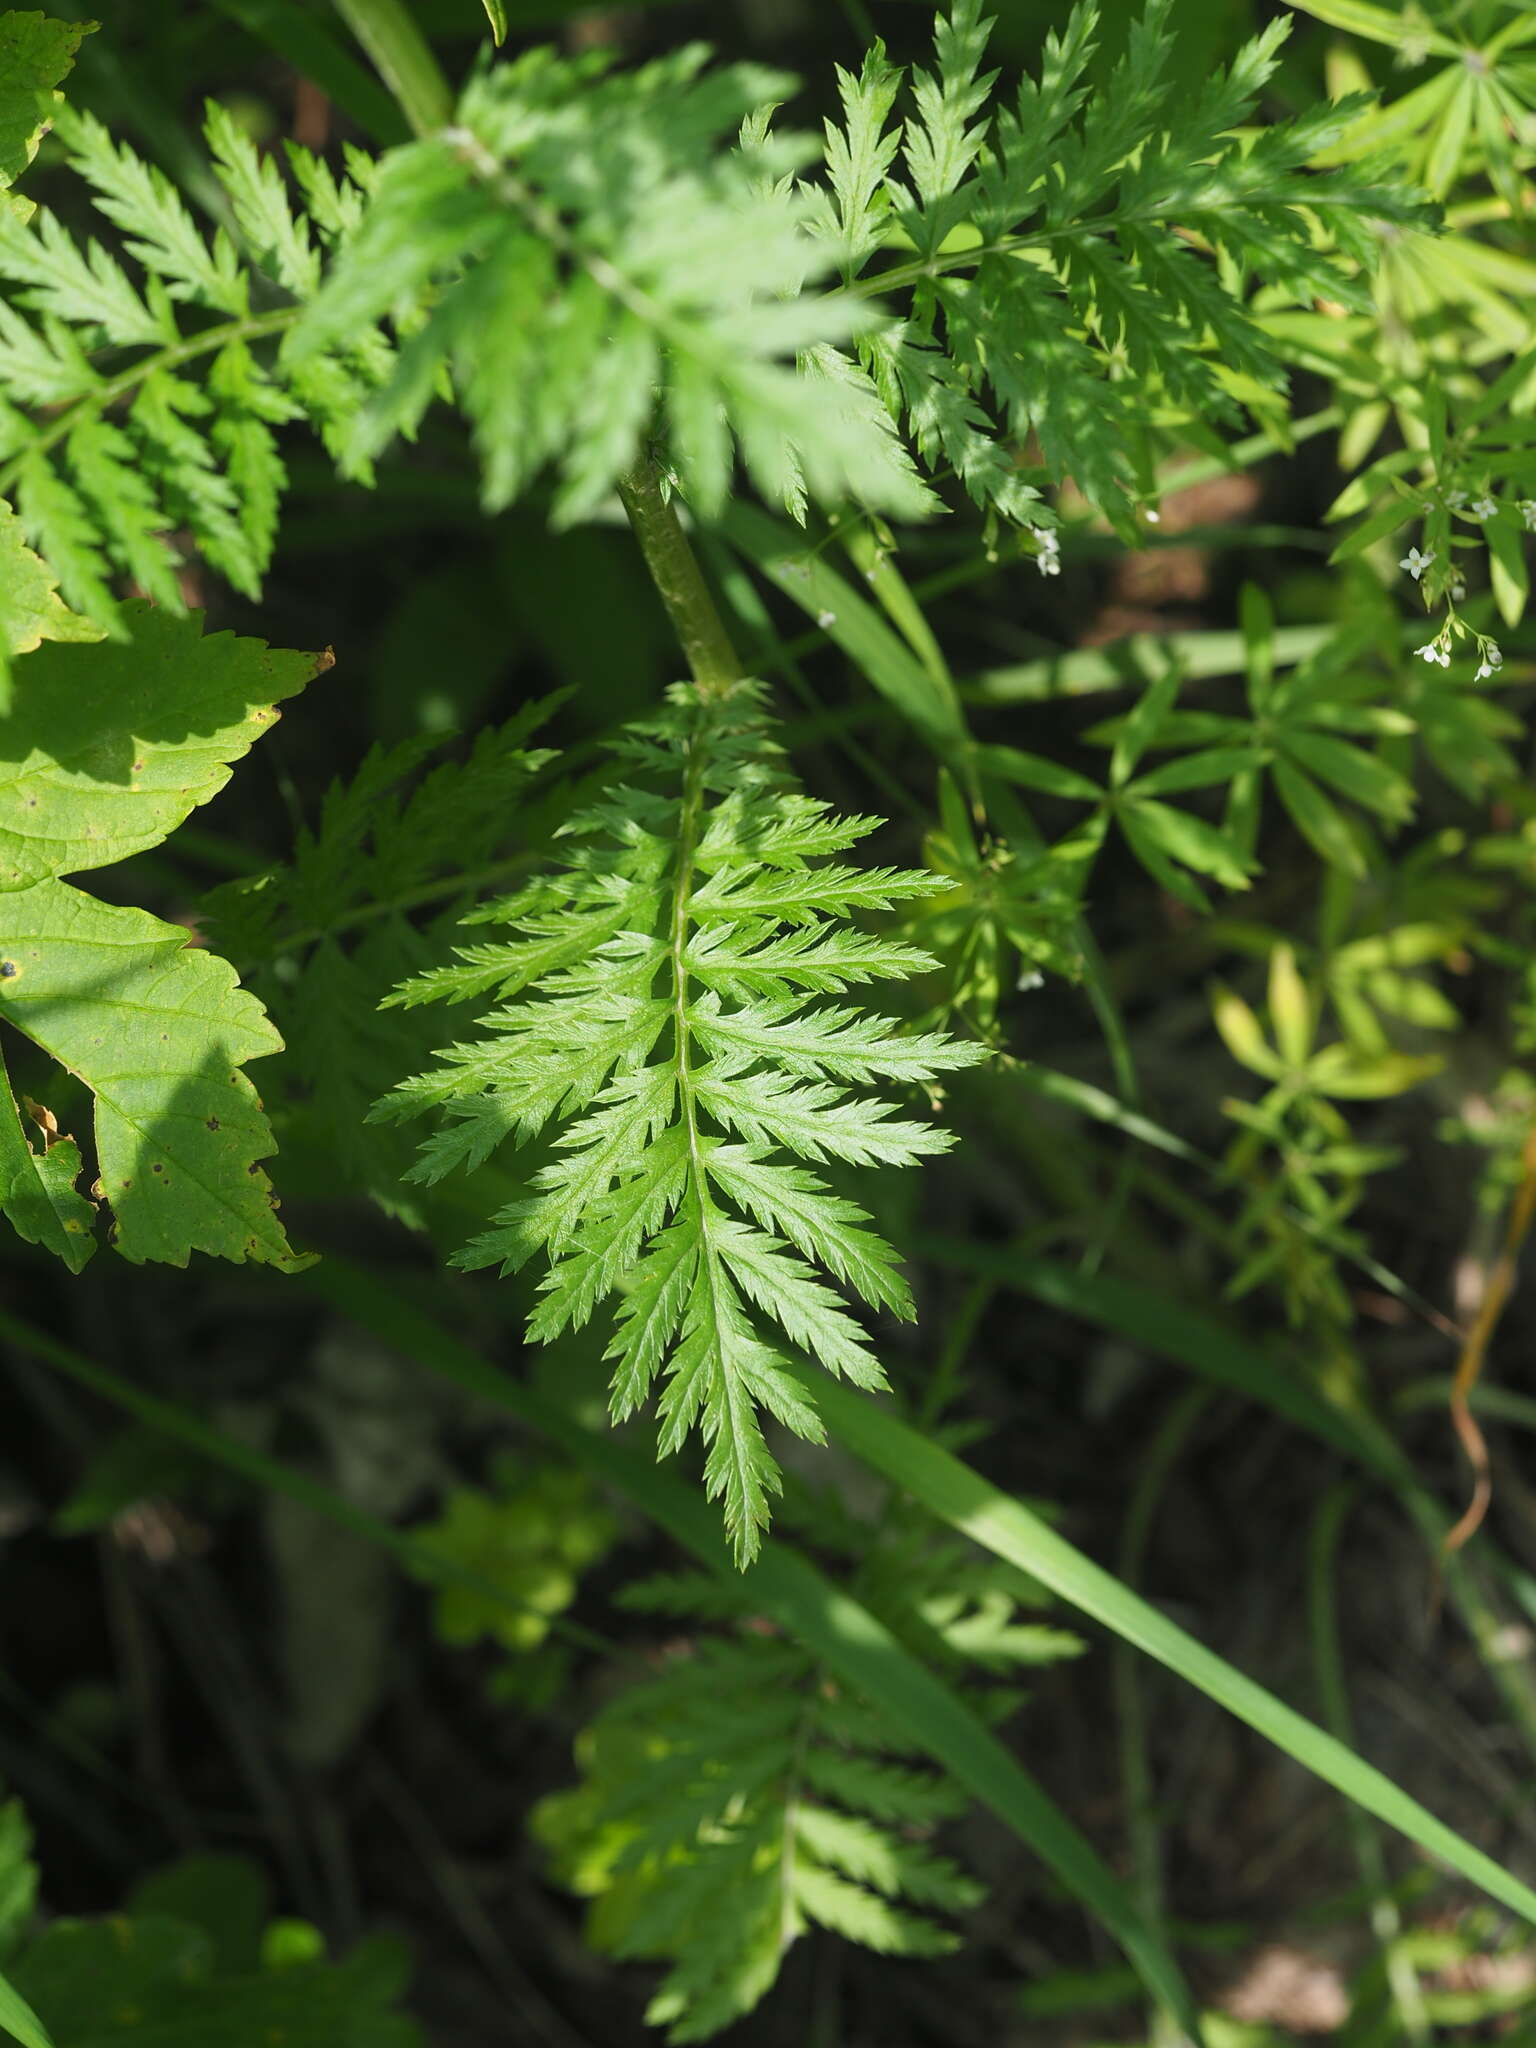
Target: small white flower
{"x": 1154, "y": 517}
{"x": 1415, "y": 563}
{"x": 1455, "y": 500}
{"x": 1428, "y": 652}
{"x": 1458, "y": 591}
{"x": 825, "y": 619}
{"x": 1483, "y": 508}
{"x": 1492, "y": 661}
{"x": 1528, "y": 513}
{"x": 1048, "y": 550}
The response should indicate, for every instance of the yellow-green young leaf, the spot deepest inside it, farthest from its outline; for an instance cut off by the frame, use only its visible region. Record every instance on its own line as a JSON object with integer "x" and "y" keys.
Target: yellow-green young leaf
{"x": 496, "y": 15}
{"x": 158, "y": 1031}
{"x": 1378, "y": 24}
{"x": 35, "y": 53}
{"x": 108, "y": 748}
{"x": 1444, "y": 159}
{"x": 31, "y": 610}
{"x": 1507, "y": 572}
{"x": 1338, "y": 1071}
{"x": 1242, "y": 1034}
{"x": 1289, "y": 1007}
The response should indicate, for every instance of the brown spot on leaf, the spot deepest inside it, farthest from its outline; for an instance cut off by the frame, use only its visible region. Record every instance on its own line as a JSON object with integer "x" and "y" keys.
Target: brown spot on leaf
{"x": 213, "y": 1123}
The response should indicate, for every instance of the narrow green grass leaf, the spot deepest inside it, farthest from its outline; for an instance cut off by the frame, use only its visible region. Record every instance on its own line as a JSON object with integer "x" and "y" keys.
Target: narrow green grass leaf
{"x": 782, "y": 553}
{"x": 1089, "y": 669}
{"x": 976, "y": 1508}
{"x": 301, "y": 38}
{"x": 20, "y": 2021}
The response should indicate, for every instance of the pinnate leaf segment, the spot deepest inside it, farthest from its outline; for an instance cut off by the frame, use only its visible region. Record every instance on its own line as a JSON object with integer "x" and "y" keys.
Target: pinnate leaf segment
{"x": 662, "y": 1025}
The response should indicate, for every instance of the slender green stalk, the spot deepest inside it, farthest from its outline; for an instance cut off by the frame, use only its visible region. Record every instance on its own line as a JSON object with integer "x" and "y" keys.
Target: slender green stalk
{"x": 1130, "y": 1694}
{"x": 675, "y": 571}
{"x": 1333, "y": 1696}
{"x": 402, "y": 57}
{"x": 965, "y": 1500}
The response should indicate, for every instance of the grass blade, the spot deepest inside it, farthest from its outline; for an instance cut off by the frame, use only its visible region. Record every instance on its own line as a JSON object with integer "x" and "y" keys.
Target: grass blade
{"x": 972, "y": 1505}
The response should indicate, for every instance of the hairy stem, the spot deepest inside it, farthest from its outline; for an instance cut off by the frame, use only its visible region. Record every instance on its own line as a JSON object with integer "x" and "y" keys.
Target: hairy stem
{"x": 675, "y": 571}
{"x": 403, "y": 59}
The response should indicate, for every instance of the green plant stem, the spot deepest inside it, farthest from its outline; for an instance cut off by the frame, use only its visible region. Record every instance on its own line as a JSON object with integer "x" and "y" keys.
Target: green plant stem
{"x": 1130, "y": 1693}
{"x": 675, "y": 571}
{"x": 399, "y": 52}
{"x": 1333, "y": 1696}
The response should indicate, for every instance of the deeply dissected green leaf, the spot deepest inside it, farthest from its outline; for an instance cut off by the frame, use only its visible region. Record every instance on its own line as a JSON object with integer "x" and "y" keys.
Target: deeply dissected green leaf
{"x": 666, "y": 1031}
{"x": 734, "y": 1799}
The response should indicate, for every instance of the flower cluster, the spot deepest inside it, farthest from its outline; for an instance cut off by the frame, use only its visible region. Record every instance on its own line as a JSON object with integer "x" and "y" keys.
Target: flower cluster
{"x": 1438, "y": 651}
{"x": 1047, "y": 550}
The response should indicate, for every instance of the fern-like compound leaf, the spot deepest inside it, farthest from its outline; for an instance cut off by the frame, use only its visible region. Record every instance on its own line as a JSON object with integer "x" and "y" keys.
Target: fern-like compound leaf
{"x": 734, "y": 1799}
{"x": 1090, "y": 219}
{"x": 590, "y": 243}
{"x": 658, "y": 1030}
{"x": 366, "y": 900}
{"x": 144, "y": 382}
